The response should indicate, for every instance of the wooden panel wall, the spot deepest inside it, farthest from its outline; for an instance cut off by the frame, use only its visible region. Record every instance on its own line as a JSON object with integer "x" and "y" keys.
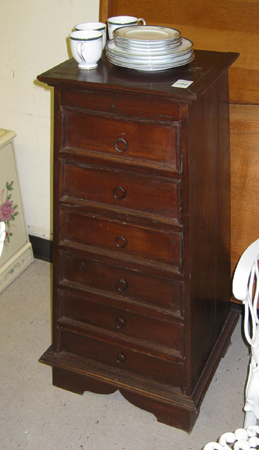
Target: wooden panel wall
{"x": 222, "y": 25}
{"x": 244, "y": 177}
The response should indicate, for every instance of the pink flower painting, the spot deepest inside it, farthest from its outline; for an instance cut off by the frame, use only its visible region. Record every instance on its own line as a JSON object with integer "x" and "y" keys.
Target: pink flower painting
{"x": 8, "y": 210}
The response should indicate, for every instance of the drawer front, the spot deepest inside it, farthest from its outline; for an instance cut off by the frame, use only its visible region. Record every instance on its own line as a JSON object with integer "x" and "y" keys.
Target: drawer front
{"x": 146, "y": 142}
{"x": 121, "y": 357}
{"x": 115, "y": 281}
{"x": 122, "y": 239}
{"x": 123, "y": 190}
{"x": 141, "y": 105}
{"x": 95, "y": 310}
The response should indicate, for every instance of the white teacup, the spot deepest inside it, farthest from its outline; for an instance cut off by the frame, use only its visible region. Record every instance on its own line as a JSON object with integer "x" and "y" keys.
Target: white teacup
{"x": 86, "y": 47}
{"x": 122, "y": 21}
{"x": 99, "y": 26}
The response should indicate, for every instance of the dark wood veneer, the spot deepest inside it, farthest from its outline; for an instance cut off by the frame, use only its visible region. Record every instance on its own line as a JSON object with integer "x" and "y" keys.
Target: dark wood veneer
{"x": 141, "y": 249}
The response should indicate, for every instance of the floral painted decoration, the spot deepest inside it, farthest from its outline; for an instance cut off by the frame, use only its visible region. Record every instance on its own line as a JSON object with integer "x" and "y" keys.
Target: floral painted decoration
{"x": 7, "y": 210}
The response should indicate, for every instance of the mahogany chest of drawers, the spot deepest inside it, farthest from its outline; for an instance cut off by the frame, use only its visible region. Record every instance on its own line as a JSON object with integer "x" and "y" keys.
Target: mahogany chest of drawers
{"x": 142, "y": 283}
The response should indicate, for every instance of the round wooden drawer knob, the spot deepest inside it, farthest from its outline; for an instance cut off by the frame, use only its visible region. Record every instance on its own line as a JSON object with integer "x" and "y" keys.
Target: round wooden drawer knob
{"x": 120, "y": 323}
{"x": 120, "y": 358}
{"x": 118, "y": 193}
{"x": 120, "y": 242}
{"x": 120, "y": 145}
{"x": 121, "y": 285}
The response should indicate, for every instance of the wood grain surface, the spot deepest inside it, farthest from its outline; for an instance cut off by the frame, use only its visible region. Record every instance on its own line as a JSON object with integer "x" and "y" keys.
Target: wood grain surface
{"x": 230, "y": 26}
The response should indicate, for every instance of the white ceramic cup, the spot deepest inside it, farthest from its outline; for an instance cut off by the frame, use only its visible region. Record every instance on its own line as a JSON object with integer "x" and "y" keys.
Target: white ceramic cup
{"x": 122, "y": 21}
{"x": 86, "y": 47}
{"x": 99, "y": 26}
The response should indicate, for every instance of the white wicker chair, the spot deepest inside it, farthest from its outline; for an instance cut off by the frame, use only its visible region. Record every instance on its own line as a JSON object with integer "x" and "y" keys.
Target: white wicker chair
{"x": 241, "y": 439}
{"x": 246, "y": 289}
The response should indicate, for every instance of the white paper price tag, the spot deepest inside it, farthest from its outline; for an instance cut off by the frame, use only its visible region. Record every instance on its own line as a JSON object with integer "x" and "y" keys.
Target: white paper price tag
{"x": 182, "y": 84}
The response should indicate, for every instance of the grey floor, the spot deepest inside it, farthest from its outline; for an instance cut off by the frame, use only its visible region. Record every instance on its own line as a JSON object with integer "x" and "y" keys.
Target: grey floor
{"x": 34, "y": 415}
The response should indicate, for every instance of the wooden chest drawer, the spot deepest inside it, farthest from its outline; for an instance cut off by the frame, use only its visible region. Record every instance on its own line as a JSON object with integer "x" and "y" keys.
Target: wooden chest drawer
{"x": 148, "y": 195}
{"x": 147, "y": 142}
{"x": 125, "y": 320}
{"x": 122, "y": 357}
{"x": 117, "y": 281}
{"x": 122, "y": 239}
{"x": 128, "y": 105}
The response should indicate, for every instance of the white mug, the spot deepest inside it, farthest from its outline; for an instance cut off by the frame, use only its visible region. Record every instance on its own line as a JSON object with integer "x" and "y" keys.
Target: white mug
{"x": 122, "y": 21}
{"x": 99, "y": 26}
{"x": 86, "y": 47}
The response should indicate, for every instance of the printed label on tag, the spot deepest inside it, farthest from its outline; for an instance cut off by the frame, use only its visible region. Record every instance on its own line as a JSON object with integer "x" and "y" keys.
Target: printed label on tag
{"x": 182, "y": 84}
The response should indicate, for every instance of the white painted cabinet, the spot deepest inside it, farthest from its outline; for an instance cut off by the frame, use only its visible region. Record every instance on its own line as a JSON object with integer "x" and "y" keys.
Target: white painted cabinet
{"x": 15, "y": 249}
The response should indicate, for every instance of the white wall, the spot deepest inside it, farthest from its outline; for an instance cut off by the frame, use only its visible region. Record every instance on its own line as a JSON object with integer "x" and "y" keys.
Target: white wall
{"x": 34, "y": 39}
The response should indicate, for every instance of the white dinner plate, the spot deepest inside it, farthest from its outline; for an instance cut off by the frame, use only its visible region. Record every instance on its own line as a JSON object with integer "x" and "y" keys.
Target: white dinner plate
{"x": 185, "y": 47}
{"x": 147, "y": 43}
{"x": 150, "y": 61}
{"x": 151, "y": 67}
{"x": 147, "y": 33}
{"x": 133, "y": 47}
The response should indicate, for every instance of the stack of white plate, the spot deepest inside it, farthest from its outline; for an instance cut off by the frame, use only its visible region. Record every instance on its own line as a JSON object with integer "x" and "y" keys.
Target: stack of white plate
{"x": 149, "y": 48}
